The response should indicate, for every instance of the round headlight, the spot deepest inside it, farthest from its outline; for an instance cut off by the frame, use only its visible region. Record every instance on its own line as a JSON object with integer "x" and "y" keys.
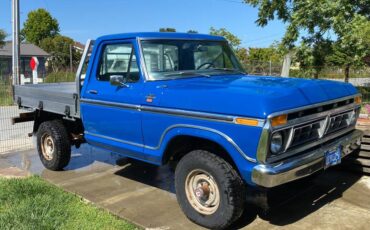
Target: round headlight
{"x": 276, "y": 142}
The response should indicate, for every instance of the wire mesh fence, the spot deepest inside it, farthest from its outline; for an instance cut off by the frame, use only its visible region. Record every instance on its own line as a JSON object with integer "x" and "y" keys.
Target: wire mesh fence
{"x": 12, "y": 137}
{"x": 263, "y": 68}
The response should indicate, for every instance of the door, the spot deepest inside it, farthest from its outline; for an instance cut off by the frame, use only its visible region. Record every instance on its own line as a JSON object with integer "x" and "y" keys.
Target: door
{"x": 110, "y": 111}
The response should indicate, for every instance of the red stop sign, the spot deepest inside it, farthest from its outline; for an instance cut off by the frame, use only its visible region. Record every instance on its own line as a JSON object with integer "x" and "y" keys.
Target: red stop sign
{"x": 33, "y": 64}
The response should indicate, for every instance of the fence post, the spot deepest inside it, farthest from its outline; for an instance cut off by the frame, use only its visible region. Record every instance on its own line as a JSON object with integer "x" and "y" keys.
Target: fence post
{"x": 270, "y": 67}
{"x": 286, "y": 65}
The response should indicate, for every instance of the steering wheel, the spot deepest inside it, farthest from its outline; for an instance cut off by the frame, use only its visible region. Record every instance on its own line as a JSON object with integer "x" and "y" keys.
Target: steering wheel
{"x": 210, "y": 64}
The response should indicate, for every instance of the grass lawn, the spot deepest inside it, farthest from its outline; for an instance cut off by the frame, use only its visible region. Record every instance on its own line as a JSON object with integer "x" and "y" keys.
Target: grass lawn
{"x": 33, "y": 203}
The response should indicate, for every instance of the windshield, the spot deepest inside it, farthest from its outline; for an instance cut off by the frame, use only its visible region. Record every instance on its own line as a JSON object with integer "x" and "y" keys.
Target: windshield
{"x": 169, "y": 59}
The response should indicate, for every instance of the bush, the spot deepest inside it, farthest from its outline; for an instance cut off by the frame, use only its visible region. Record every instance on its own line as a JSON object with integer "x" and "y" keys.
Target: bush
{"x": 365, "y": 91}
{"x": 5, "y": 93}
{"x": 60, "y": 77}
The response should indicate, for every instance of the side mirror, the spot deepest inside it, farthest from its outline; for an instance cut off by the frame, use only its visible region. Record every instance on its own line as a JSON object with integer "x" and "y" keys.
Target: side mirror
{"x": 118, "y": 80}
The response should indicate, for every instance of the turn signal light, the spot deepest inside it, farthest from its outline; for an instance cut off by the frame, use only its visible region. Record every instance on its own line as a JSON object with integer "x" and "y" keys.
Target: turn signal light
{"x": 279, "y": 120}
{"x": 358, "y": 100}
{"x": 245, "y": 121}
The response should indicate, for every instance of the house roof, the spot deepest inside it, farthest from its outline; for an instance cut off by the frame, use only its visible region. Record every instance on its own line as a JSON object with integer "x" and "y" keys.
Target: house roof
{"x": 79, "y": 45}
{"x": 27, "y": 49}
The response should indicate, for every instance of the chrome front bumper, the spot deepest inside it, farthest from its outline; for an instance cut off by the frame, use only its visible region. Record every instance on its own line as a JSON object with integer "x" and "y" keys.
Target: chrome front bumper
{"x": 303, "y": 165}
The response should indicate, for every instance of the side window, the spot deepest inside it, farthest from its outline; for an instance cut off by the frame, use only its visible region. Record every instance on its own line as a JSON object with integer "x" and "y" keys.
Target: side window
{"x": 118, "y": 59}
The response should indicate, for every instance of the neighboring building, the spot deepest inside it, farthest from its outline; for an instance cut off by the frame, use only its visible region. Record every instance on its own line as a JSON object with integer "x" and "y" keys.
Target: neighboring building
{"x": 79, "y": 47}
{"x": 28, "y": 51}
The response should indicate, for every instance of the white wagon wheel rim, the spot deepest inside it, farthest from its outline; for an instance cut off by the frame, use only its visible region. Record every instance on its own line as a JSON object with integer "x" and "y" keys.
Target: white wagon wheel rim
{"x": 47, "y": 146}
{"x": 202, "y": 192}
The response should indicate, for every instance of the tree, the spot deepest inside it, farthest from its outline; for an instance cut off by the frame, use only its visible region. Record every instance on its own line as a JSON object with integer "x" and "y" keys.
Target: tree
{"x": 39, "y": 25}
{"x": 268, "y": 54}
{"x": 167, "y": 30}
{"x": 192, "y": 32}
{"x": 59, "y": 48}
{"x": 234, "y": 42}
{"x": 312, "y": 55}
{"x": 316, "y": 19}
{"x": 353, "y": 47}
{"x": 2, "y": 37}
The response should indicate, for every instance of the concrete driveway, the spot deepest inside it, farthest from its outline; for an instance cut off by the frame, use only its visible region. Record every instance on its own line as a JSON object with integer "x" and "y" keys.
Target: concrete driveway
{"x": 144, "y": 194}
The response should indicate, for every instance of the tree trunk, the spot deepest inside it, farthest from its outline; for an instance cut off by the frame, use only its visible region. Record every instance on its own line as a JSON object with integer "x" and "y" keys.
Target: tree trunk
{"x": 346, "y": 73}
{"x": 316, "y": 75}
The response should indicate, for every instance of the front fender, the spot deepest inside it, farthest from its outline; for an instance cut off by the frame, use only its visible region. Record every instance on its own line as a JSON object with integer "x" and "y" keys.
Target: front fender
{"x": 244, "y": 162}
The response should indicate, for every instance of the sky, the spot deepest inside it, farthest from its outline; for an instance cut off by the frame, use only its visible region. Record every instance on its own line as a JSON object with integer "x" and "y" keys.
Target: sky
{"x": 84, "y": 19}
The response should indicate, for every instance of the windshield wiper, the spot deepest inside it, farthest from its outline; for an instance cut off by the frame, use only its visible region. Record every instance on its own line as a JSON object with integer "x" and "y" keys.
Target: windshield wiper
{"x": 229, "y": 70}
{"x": 186, "y": 73}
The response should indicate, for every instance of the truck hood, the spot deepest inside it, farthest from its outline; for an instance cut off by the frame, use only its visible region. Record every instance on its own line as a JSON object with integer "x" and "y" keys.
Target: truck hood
{"x": 250, "y": 96}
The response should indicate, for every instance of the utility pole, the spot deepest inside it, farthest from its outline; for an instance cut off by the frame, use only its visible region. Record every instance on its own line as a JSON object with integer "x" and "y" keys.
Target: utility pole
{"x": 16, "y": 42}
{"x": 70, "y": 58}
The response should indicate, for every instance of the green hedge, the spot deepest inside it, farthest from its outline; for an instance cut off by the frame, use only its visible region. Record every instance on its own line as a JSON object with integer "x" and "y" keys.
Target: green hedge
{"x": 60, "y": 77}
{"x": 5, "y": 93}
{"x": 329, "y": 73}
{"x": 365, "y": 91}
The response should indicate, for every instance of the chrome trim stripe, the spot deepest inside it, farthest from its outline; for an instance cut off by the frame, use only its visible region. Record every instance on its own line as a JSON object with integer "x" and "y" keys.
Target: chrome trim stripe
{"x": 110, "y": 104}
{"x": 227, "y": 138}
{"x": 180, "y": 112}
{"x": 175, "y": 112}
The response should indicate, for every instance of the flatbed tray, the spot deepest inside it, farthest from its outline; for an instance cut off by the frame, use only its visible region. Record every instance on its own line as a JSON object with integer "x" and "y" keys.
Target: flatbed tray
{"x": 59, "y": 98}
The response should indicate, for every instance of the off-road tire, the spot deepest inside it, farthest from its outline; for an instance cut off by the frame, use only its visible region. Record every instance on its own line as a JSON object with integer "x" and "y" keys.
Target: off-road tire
{"x": 61, "y": 153}
{"x": 230, "y": 185}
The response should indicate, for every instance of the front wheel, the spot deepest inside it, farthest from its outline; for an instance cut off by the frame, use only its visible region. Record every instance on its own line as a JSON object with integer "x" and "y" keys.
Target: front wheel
{"x": 53, "y": 145}
{"x": 210, "y": 192}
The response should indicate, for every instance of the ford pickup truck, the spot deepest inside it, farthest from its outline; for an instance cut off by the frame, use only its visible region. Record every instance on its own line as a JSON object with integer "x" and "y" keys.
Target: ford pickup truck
{"x": 185, "y": 100}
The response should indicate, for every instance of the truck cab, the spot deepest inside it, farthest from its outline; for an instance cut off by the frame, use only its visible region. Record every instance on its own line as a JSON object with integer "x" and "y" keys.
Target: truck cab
{"x": 185, "y": 100}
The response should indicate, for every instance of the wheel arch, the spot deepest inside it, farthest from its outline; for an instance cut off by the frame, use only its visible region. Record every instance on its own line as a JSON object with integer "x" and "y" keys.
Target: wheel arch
{"x": 74, "y": 128}
{"x": 182, "y": 139}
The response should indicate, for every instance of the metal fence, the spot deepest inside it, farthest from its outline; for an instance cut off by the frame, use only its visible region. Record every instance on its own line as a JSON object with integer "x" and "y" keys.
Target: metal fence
{"x": 12, "y": 137}
{"x": 263, "y": 68}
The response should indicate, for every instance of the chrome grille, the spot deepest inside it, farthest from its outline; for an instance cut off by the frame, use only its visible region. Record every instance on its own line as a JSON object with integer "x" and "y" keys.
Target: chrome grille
{"x": 316, "y": 129}
{"x": 308, "y": 132}
{"x": 340, "y": 121}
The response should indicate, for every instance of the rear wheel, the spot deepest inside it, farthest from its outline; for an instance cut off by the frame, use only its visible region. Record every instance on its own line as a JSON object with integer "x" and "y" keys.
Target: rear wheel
{"x": 53, "y": 145}
{"x": 210, "y": 192}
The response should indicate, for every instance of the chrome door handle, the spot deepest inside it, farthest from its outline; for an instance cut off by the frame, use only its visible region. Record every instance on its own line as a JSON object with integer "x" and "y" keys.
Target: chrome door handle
{"x": 92, "y": 91}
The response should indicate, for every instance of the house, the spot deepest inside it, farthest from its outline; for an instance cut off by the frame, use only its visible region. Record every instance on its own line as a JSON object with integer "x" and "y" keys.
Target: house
{"x": 79, "y": 47}
{"x": 27, "y": 51}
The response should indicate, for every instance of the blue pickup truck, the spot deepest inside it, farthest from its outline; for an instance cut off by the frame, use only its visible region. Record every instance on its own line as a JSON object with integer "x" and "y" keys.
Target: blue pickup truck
{"x": 185, "y": 100}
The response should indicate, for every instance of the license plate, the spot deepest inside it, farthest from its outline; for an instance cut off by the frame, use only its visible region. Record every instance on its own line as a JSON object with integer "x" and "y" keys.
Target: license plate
{"x": 333, "y": 157}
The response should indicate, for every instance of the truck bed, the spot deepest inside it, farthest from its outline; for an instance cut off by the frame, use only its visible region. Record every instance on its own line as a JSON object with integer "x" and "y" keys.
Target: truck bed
{"x": 59, "y": 98}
